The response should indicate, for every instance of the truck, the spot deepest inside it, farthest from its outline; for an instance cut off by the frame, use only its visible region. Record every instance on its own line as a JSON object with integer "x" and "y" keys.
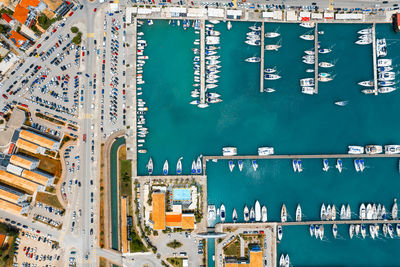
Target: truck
{"x": 84, "y": 138}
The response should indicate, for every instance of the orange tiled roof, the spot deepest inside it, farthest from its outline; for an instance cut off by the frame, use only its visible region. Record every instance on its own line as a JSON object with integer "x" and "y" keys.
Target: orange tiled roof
{"x": 21, "y": 13}
{"x": 17, "y": 38}
{"x": 158, "y": 214}
{"x": 26, "y": 3}
{"x": 28, "y": 146}
{"x": 37, "y": 138}
{"x": 2, "y": 238}
{"x": 231, "y": 264}
{"x": 173, "y": 219}
{"x": 188, "y": 222}
{"x": 256, "y": 259}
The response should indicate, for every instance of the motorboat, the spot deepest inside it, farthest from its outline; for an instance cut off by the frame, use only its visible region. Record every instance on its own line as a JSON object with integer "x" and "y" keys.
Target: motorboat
{"x": 384, "y": 90}
{"x": 368, "y": 91}
{"x": 355, "y": 150}
{"x": 334, "y": 230}
{"x": 202, "y": 105}
{"x": 333, "y": 212}
{"x": 212, "y": 95}
{"x": 264, "y": 215}
{"x": 384, "y": 62}
{"x": 369, "y": 211}
{"x": 231, "y": 165}
{"x": 308, "y": 57}
{"x": 252, "y": 216}
{"x": 372, "y": 231}
{"x": 325, "y": 79}
{"x": 390, "y": 230}
{"x": 362, "y": 165}
{"x": 298, "y": 213}
{"x": 392, "y": 149}
{"x": 309, "y": 52}
{"x": 229, "y": 25}
{"x": 287, "y": 261}
{"x": 150, "y": 166}
{"x": 254, "y": 164}
{"x": 324, "y": 50}
{"x": 229, "y": 151}
{"x": 212, "y": 57}
{"x": 363, "y": 231}
{"x": 282, "y": 261}
{"x": 272, "y": 47}
{"x": 357, "y": 165}
{"x": 257, "y": 209}
{"x": 323, "y": 212}
{"x": 194, "y": 167}
{"x": 179, "y": 166}
{"x": 326, "y": 65}
{"x": 341, "y": 103}
{"x": 214, "y": 21}
{"x": 283, "y": 213}
{"x": 265, "y": 151}
{"x": 222, "y": 213}
{"x": 312, "y": 229}
{"x": 358, "y": 227}
{"x": 373, "y": 149}
{"x": 351, "y": 231}
{"x": 363, "y": 214}
{"x": 310, "y": 70}
{"x": 271, "y": 76}
{"x": 386, "y": 83}
{"x": 321, "y": 232}
{"x": 269, "y": 90}
{"x": 270, "y": 70}
{"x": 234, "y": 216}
{"x": 246, "y": 214}
{"x": 308, "y": 90}
{"x": 386, "y": 76}
{"x": 398, "y": 229}
{"x": 387, "y": 68}
{"x": 165, "y": 168}
{"x": 381, "y": 48}
{"x": 365, "y": 31}
{"x": 254, "y": 34}
{"x": 309, "y": 61}
{"x": 307, "y": 82}
{"x": 213, "y": 100}
{"x": 240, "y": 164}
{"x": 307, "y": 24}
{"x": 253, "y": 59}
{"x": 280, "y": 232}
{"x": 255, "y": 28}
{"x": 309, "y": 37}
{"x": 294, "y": 164}
{"x": 317, "y": 231}
{"x": 385, "y": 229}
{"x": 272, "y": 34}
{"x": 299, "y": 165}
{"x": 198, "y": 166}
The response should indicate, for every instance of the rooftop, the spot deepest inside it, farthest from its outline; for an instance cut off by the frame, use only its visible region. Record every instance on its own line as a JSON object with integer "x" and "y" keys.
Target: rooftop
{"x": 28, "y": 146}
{"x": 20, "y": 14}
{"x": 17, "y": 182}
{"x": 26, "y": 3}
{"x": 37, "y": 139}
{"x": 158, "y": 214}
{"x": 10, "y": 207}
{"x": 35, "y": 177}
{"x": 21, "y": 161}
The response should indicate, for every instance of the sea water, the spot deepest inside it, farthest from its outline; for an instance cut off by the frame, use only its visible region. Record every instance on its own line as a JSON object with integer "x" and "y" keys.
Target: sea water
{"x": 288, "y": 120}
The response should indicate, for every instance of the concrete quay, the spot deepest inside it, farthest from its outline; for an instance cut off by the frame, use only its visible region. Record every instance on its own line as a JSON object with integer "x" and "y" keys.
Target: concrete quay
{"x": 374, "y": 59}
{"x": 262, "y": 58}
{"x": 202, "y": 62}
{"x": 316, "y": 58}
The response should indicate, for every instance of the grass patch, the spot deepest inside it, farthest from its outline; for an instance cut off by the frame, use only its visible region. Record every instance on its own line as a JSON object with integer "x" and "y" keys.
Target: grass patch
{"x": 233, "y": 249}
{"x": 176, "y": 262}
{"x": 125, "y": 173}
{"x": 49, "y": 199}
{"x": 174, "y": 244}
{"x": 51, "y": 119}
{"x": 136, "y": 244}
{"x": 47, "y": 164}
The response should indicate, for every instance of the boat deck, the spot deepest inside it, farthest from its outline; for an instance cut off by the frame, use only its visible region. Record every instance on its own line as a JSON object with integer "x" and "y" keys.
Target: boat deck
{"x": 316, "y": 58}
{"x": 202, "y": 62}
{"x": 374, "y": 59}
{"x": 262, "y": 58}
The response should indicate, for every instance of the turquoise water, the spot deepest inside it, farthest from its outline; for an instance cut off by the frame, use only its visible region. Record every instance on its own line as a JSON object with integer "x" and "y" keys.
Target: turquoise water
{"x": 181, "y": 194}
{"x": 114, "y": 191}
{"x": 287, "y": 119}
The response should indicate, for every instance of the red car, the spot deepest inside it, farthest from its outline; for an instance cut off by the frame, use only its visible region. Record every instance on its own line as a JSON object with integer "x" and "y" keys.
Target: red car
{"x": 39, "y": 45}
{"x": 55, "y": 29}
{"x": 94, "y": 10}
{"x": 70, "y": 14}
{"x": 5, "y": 97}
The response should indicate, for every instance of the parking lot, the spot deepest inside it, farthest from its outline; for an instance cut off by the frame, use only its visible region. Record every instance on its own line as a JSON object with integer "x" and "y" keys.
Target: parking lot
{"x": 36, "y": 249}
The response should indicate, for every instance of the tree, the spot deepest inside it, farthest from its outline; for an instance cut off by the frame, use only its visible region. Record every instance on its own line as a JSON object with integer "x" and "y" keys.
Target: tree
{"x": 74, "y": 29}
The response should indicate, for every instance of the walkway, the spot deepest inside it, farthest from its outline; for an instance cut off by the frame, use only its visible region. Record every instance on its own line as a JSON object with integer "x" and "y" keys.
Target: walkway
{"x": 374, "y": 59}
{"x": 316, "y": 58}
{"x": 262, "y": 58}
{"x": 202, "y": 62}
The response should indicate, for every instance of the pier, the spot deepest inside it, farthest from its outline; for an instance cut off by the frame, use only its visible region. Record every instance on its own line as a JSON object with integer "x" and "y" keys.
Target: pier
{"x": 338, "y": 222}
{"x": 316, "y": 58}
{"x": 321, "y": 156}
{"x": 374, "y": 60}
{"x": 202, "y": 62}
{"x": 262, "y": 58}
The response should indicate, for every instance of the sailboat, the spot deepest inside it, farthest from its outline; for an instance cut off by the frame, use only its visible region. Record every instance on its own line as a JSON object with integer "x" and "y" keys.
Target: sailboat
{"x": 282, "y": 260}
{"x": 363, "y": 231}
{"x": 280, "y": 232}
{"x": 339, "y": 165}
{"x": 334, "y": 230}
{"x": 179, "y": 166}
{"x": 165, "y": 168}
{"x": 254, "y": 164}
{"x": 326, "y": 165}
{"x": 394, "y": 209}
{"x": 150, "y": 166}
{"x": 198, "y": 166}
{"x": 246, "y": 215}
{"x": 231, "y": 165}
{"x": 222, "y": 213}
{"x": 234, "y": 215}
{"x": 323, "y": 212}
{"x": 283, "y": 213}
{"x": 351, "y": 230}
{"x": 287, "y": 260}
{"x": 194, "y": 167}
{"x": 240, "y": 164}
{"x": 333, "y": 212}
{"x": 252, "y": 216}
{"x": 298, "y": 213}
{"x": 264, "y": 215}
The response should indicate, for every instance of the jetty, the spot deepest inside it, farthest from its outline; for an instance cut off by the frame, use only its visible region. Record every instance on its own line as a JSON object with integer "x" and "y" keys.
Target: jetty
{"x": 202, "y": 62}
{"x": 316, "y": 58}
{"x": 301, "y": 156}
{"x": 374, "y": 59}
{"x": 338, "y": 222}
{"x": 262, "y": 58}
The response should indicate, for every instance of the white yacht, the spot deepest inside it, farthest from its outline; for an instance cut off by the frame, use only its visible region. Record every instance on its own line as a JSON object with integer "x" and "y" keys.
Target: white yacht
{"x": 373, "y": 149}
{"x": 211, "y": 213}
{"x": 307, "y": 24}
{"x": 323, "y": 212}
{"x": 272, "y": 47}
{"x": 364, "y": 41}
{"x": 348, "y": 212}
{"x": 312, "y": 229}
{"x": 384, "y": 62}
{"x": 253, "y": 59}
{"x": 280, "y": 232}
{"x": 271, "y": 76}
{"x": 351, "y": 230}
{"x": 333, "y": 212}
{"x": 229, "y": 25}
{"x": 222, "y": 213}
{"x": 386, "y": 83}
{"x": 308, "y": 90}
{"x": 342, "y": 212}
{"x": 334, "y": 230}
{"x": 392, "y": 149}
{"x": 257, "y": 209}
{"x": 264, "y": 215}
{"x": 368, "y": 91}
{"x": 265, "y": 151}
{"x": 386, "y": 76}
{"x": 398, "y": 229}
{"x": 328, "y": 212}
{"x": 310, "y": 70}
{"x": 269, "y": 90}
{"x": 252, "y": 216}
{"x": 229, "y": 151}
{"x": 309, "y": 61}
{"x": 324, "y": 50}
{"x": 394, "y": 209}
{"x": 365, "y": 31}
{"x": 255, "y": 28}
{"x": 339, "y": 165}
{"x": 385, "y": 229}
{"x": 325, "y": 79}
{"x": 321, "y": 232}
{"x": 253, "y": 42}
{"x": 198, "y": 165}
{"x": 165, "y": 168}
{"x": 342, "y": 103}
{"x": 366, "y": 83}
{"x": 179, "y": 166}
{"x": 309, "y": 52}
{"x": 283, "y": 213}
{"x": 298, "y": 213}
{"x": 309, "y": 37}
{"x": 355, "y": 150}
{"x": 246, "y": 213}
{"x": 372, "y": 231}
{"x": 270, "y": 70}
{"x": 390, "y": 230}
{"x": 363, "y": 212}
{"x": 231, "y": 165}
{"x": 287, "y": 261}
{"x": 381, "y": 49}
{"x": 384, "y": 90}
{"x": 282, "y": 261}
{"x": 150, "y": 166}
{"x": 194, "y": 167}
{"x": 254, "y": 164}
{"x": 307, "y": 82}
{"x": 240, "y": 164}
{"x": 234, "y": 216}
{"x": 326, "y": 65}
{"x": 272, "y": 34}
{"x": 363, "y": 231}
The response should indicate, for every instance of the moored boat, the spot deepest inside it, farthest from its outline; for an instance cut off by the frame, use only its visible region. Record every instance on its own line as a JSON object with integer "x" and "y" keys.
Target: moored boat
{"x": 325, "y": 162}
{"x": 231, "y": 165}
{"x": 234, "y": 216}
{"x": 240, "y": 164}
{"x": 280, "y": 233}
{"x": 165, "y": 168}
{"x": 283, "y": 213}
{"x": 334, "y": 230}
{"x": 264, "y": 215}
{"x": 222, "y": 213}
{"x": 298, "y": 213}
{"x": 150, "y": 166}
{"x": 246, "y": 214}
{"x": 339, "y": 165}
{"x": 179, "y": 166}
{"x": 257, "y": 210}
{"x": 254, "y": 164}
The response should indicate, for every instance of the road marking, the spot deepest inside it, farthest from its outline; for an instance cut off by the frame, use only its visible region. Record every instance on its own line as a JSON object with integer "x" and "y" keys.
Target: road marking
{"x": 86, "y": 116}
{"x": 90, "y": 34}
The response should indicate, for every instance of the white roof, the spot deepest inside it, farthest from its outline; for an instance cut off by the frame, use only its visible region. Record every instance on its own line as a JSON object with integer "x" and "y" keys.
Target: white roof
{"x": 14, "y": 169}
{"x": 129, "y": 12}
{"x": 328, "y": 15}
{"x": 177, "y": 10}
{"x": 349, "y": 16}
{"x": 232, "y": 12}
{"x": 278, "y": 15}
{"x": 216, "y": 12}
{"x": 197, "y": 12}
{"x": 114, "y": 7}
{"x": 144, "y": 11}
{"x": 291, "y": 15}
{"x": 316, "y": 15}
{"x": 268, "y": 14}
{"x": 305, "y": 14}
{"x": 185, "y": 262}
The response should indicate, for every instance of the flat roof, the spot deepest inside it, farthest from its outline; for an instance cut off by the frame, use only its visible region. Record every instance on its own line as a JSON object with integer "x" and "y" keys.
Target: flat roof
{"x": 28, "y": 146}
{"x": 10, "y": 207}
{"x": 35, "y": 177}
{"x": 158, "y": 213}
{"x": 10, "y": 197}
{"x": 256, "y": 259}
{"x": 37, "y": 139}
{"x": 18, "y": 182}
{"x": 20, "y": 161}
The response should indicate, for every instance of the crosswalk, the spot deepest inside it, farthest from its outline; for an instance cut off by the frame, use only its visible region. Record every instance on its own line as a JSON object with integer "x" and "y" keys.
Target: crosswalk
{"x": 85, "y": 115}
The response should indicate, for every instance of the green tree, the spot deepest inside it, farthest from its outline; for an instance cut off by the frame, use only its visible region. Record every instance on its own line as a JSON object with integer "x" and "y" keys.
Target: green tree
{"x": 74, "y": 29}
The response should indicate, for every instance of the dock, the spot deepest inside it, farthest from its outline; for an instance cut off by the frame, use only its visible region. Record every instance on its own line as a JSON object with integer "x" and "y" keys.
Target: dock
{"x": 262, "y": 58}
{"x": 304, "y": 156}
{"x": 202, "y": 62}
{"x": 316, "y": 58}
{"x": 374, "y": 60}
{"x": 339, "y": 222}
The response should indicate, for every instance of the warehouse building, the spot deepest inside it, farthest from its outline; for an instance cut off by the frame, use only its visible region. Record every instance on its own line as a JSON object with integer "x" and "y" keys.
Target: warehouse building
{"x": 30, "y": 147}
{"x": 19, "y": 182}
{"x": 38, "y": 177}
{"x": 24, "y": 161}
{"x": 39, "y": 140}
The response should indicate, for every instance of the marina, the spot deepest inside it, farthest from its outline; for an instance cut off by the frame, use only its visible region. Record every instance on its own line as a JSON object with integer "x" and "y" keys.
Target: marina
{"x": 316, "y": 65}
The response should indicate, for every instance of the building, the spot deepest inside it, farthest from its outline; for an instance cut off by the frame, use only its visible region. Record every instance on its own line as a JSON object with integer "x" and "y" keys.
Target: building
{"x": 20, "y": 41}
{"x": 64, "y": 8}
{"x": 7, "y": 18}
{"x": 38, "y": 177}
{"x": 14, "y": 169}
{"x": 24, "y": 161}
{"x": 39, "y": 140}
{"x": 255, "y": 259}
{"x": 26, "y": 11}
{"x": 10, "y": 207}
{"x": 158, "y": 213}
{"x": 21, "y": 14}
{"x": 11, "y": 195}
{"x": 18, "y": 182}
{"x": 30, "y": 147}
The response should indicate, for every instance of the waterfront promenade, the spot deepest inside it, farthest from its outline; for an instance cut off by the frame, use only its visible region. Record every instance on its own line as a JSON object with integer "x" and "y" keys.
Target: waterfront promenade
{"x": 316, "y": 58}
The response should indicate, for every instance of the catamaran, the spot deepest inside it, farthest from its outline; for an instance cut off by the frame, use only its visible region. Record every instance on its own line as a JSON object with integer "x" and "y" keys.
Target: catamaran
{"x": 165, "y": 168}
{"x": 298, "y": 213}
{"x": 179, "y": 166}
{"x": 150, "y": 166}
{"x": 231, "y": 165}
{"x": 326, "y": 165}
{"x": 283, "y": 213}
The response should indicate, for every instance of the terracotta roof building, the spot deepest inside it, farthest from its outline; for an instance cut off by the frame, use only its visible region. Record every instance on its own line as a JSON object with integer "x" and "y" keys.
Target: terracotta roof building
{"x": 37, "y": 177}
{"x": 18, "y": 182}
{"x": 21, "y": 13}
{"x": 158, "y": 213}
{"x": 30, "y": 147}
{"x": 19, "y": 40}
{"x": 39, "y": 140}
{"x": 24, "y": 161}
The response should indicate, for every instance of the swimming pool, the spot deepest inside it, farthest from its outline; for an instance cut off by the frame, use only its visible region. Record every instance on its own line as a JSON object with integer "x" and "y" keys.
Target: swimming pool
{"x": 181, "y": 194}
